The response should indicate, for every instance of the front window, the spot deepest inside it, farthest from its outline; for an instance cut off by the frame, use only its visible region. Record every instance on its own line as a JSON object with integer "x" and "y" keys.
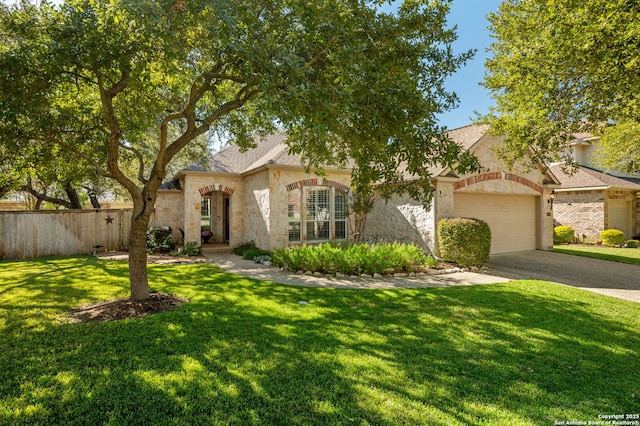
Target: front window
{"x": 322, "y": 216}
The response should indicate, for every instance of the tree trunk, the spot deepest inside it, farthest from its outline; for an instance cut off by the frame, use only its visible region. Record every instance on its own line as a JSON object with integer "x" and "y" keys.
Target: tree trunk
{"x": 94, "y": 201}
{"x": 74, "y": 200}
{"x": 138, "y": 259}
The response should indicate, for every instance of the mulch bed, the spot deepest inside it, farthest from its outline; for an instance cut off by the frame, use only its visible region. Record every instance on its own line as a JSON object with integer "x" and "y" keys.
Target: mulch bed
{"x": 117, "y": 309}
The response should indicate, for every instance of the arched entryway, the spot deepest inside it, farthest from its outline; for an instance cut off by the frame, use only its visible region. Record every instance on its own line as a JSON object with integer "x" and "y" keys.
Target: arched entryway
{"x": 215, "y": 220}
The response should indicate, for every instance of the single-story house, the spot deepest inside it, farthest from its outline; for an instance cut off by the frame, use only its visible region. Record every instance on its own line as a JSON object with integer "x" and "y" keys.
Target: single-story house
{"x": 264, "y": 195}
{"x": 591, "y": 201}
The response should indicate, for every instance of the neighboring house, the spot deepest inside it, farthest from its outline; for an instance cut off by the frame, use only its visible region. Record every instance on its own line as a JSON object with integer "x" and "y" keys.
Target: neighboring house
{"x": 592, "y": 200}
{"x": 265, "y": 196}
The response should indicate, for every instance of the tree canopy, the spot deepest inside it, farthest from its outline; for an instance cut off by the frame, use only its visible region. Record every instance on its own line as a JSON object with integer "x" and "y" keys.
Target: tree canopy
{"x": 561, "y": 67}
{"x": 129, "y": 82}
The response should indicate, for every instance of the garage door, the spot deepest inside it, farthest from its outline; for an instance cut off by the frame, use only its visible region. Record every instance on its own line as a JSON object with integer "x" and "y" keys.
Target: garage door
{"x": 512, "y": 219}
{"x": 620, "y": 216}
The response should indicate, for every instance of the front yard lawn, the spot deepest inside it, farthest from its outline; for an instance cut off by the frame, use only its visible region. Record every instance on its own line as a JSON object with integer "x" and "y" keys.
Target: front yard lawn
{"x": 624, "y": 255}
{"x": 247, "y": 352}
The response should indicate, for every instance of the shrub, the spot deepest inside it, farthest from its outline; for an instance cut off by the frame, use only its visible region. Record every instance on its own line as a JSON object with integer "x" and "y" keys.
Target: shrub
{"x": 159, "y": 240}
{"x": 612, "y": 237}
{"x": 353, "y": 259}
{"x": 466, "y": 242}
{"x": 632, "y": 243}
{"x": 244, "y": 247}
{"x": 252, "y": 253}
{"x": 563, "y": 234}
{"x": 192, "y": 248}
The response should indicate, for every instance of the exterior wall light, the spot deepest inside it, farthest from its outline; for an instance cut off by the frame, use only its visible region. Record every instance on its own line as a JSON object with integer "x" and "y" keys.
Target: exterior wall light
{"x": 552, "y": 196}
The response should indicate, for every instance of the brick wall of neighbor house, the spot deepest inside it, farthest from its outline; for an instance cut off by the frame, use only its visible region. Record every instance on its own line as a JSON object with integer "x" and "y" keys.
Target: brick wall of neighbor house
{"x": 631, "y": 196}
{"x": 582, "y": 210}
{"x": 636, "y": 217}
{"x": 401, "y": 219}
{"x": 170, "y": 211}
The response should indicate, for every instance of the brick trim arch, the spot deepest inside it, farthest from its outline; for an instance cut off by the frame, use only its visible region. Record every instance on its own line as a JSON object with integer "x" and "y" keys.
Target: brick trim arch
{"x": 497, "y": 176}
{"x": 216, "y": 187}
{"x": 317, "y": 182}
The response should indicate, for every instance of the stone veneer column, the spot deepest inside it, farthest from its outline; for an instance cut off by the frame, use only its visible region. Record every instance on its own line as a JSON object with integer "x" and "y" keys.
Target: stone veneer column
{"x": 443, "y": 207}
{"x": 544, "y": 239}
{"x": 192, "y": 205}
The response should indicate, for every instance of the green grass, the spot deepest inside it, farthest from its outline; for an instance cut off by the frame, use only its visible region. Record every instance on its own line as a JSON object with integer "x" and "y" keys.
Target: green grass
{"x": 624, "y": 255}
{"x": 246, "y": 352}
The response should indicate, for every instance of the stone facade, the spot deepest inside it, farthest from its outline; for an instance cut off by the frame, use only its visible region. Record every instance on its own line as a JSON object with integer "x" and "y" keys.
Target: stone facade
{"x": 407, "y": 220}
{"x": 401, "y": 219}
{"x": 258, "y": 201}
{"x": 170, "y": 212}
{"x": 257, "y": 204}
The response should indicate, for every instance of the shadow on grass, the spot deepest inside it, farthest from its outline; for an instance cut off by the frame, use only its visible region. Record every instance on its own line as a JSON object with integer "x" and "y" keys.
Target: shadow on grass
{"x": 246, "y": 352}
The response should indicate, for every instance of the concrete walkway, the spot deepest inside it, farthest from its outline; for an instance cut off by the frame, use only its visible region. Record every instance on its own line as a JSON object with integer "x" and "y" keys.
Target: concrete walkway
{"x": 600, "y": 276}
{"x": 248, "y": 268}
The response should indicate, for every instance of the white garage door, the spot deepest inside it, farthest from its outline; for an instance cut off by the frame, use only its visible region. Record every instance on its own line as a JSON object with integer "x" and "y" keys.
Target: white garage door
{"x": 620, "y": 216}
{"x": 512, "y": 218}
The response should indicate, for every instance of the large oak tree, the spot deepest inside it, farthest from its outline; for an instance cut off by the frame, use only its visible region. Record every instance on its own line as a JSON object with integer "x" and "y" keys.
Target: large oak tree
{"x": 344, "y": 80}
{"x": 560, "y": 67}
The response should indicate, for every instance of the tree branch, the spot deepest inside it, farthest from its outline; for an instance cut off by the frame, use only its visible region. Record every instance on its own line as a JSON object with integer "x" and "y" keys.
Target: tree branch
{"x": 140, "y": 159}
{"x": 44, "y": 197}
{"x": 322, "y": 52}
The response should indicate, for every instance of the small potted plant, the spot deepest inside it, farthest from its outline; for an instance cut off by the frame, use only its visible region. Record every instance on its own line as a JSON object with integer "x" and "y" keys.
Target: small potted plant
{"x": 206, "y": 236}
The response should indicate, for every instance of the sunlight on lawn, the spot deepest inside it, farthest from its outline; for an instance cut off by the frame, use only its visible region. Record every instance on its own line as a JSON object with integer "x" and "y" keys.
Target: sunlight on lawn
{"x": 246, "y": 352}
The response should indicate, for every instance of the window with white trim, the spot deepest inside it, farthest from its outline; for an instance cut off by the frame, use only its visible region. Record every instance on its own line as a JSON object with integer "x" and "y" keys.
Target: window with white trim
{"x": 316, "y": 213}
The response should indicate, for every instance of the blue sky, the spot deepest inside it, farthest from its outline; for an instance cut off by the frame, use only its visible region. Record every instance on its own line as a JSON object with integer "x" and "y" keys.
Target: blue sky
{"x": 470, "y": 17}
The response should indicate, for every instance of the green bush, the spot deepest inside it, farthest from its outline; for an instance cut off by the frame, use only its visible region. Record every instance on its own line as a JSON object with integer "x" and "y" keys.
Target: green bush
{"x": 612, "y": 237}
{"x": 632, "y": 243}
{"x": 239, "y": 250}
{"x": 192, "y": 248}
{"x": 252, "y": 253}
{"x": 563, "y": 234}
{"x": 159, "y": 240}
{"x": 353, "y": 259}
{"x": 466, "y": 242}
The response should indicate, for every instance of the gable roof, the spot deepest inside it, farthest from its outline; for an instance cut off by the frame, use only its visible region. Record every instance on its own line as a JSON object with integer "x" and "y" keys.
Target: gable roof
{"x": 272, "y": 150}
{"x": 232, "y": 160}
{"x": 587, "y": 177}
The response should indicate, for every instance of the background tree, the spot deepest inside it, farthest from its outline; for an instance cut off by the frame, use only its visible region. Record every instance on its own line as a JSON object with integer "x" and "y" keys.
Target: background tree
{"x": 343, "y": 79}
{"x": 619, "y": 148}
{"x": 560, "y": 67}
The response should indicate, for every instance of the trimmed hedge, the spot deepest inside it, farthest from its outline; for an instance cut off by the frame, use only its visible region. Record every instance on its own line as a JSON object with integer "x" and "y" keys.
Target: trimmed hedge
{"x": 563, "y": 234}
{"x": 612, "y": 237}
{"x": 466, "y": 242}
{"x": 632, "y": 243}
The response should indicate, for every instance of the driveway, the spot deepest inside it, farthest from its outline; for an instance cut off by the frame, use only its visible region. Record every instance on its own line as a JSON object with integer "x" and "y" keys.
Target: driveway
{"x": 601, "y": 276}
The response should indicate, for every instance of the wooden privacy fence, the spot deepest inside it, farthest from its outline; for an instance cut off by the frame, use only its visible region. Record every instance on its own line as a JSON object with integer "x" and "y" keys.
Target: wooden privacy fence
{"x": 27, "y": 234}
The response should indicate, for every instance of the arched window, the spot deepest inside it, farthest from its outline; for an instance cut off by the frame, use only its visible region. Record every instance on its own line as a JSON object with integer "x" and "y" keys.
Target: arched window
{"x": 317, "y": 213}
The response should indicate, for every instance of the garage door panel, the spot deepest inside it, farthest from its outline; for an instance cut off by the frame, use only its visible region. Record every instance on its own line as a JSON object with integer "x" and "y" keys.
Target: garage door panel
{"x": 512, "y": 219}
